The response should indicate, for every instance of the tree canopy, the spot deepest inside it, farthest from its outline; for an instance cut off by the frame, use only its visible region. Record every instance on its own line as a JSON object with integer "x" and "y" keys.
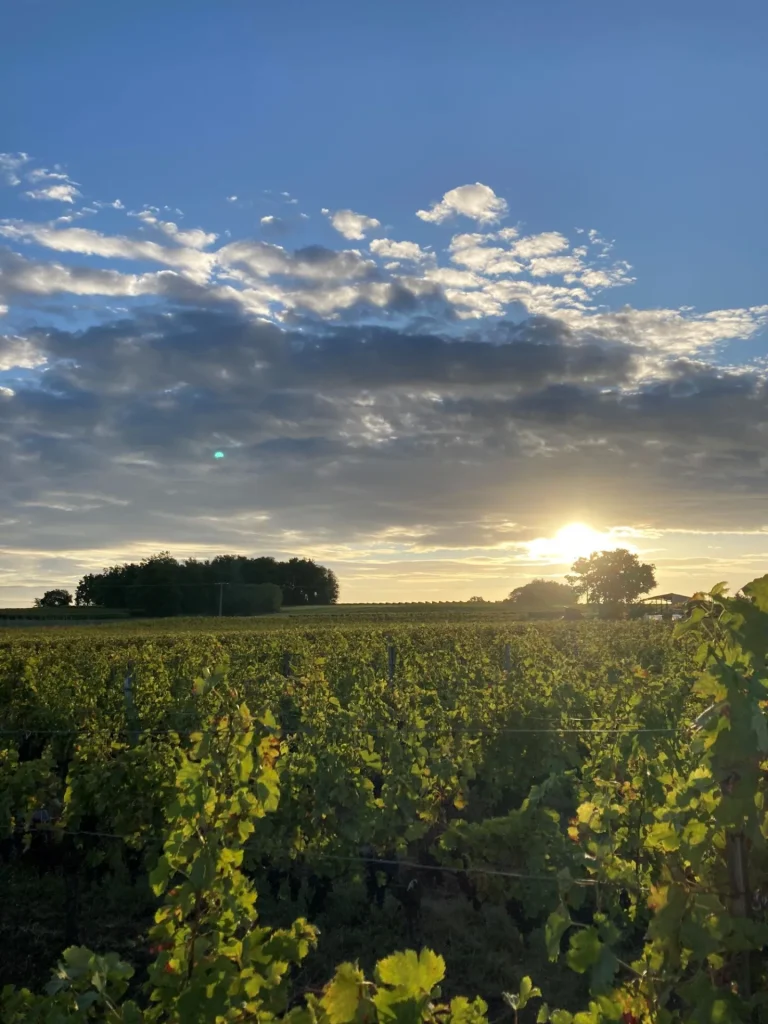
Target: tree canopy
{"x": 162, "y": 585}
{"x": 612, "y": 577}
{"x": 543, "y": 595}
{"x": 54, "y": 599}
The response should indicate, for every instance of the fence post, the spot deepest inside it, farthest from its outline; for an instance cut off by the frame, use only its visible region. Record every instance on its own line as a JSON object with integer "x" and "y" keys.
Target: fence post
{"x": 391, "y": 662}
{"x": 286, "y": 666}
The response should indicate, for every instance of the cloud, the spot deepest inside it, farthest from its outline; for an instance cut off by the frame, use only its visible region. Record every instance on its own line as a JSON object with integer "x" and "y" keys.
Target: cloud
{"x": 60, "y": 193}
{"x": 10, "y": 166}
{"x": 22, "y": 278}
{"x": 352, "y": 225}
{"x": 487, "y": 386}
{"x": 19, "y": 353}
{"x": 196, "y": 238}
{"x": 478, "y": 202}
{"x": 545, "y": 244}
{"x": 87, "y": 242}
{"x": 488, "y": 441}
{"x": 387, "y": 249}
{"x": 53, "y": 185}
{"x": 276, "y": 226}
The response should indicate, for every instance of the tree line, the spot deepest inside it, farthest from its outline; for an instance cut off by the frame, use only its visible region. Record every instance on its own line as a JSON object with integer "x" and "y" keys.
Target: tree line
{"x": 162, "y": 585}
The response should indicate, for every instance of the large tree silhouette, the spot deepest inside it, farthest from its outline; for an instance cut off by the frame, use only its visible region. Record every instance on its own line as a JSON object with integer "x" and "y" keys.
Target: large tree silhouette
{"x": 612, "y": 577}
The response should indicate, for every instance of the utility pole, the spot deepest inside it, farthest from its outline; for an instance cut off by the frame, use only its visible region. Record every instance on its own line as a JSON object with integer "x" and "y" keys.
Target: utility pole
{"x": 221, "y": 598}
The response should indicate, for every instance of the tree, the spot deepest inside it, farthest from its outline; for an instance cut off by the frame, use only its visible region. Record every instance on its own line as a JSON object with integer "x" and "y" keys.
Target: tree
{"x": 612, "y": 577}
{"x": 54, "y": 599}
{"x": 160, "y": 585}
{"x": 477, "y": 600}
{"x": 541, "y": 595}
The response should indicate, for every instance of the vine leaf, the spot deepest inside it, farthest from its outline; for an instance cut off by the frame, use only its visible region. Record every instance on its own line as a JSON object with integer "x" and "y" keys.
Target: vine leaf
{"x": 413, "y": 974}
{"x": 558, "y": 923}
{"x": 342, "y": 995}
{"x": 585, "y": 950}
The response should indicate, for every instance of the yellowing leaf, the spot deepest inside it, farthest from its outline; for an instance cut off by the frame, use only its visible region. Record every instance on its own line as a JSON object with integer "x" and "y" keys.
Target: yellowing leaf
{"x": 342, "y": 995}
{"x": 416, "y": 974}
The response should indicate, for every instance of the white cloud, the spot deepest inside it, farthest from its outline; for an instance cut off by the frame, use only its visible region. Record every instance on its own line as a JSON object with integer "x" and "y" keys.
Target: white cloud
{"x": 10, "y": 165}
{"x": 231, "y": 199}
{"x": 472, "y": 251}
{"x": 451, "y": 278}
{"x": 193, "y": 237}
{"x": 21, "y": 276}
{"x": 546, "y": 266}
{"x": 54, "y": 185}
{"x": 545, "y": 244}
{"x": 478, "y": 202}
{"x": 197, "y": 265}
{"x": 19, "y": 353}
{"x": 352, "y": 225}
{"x": 60, "y": 193}
{"x": 490, "y": 273}
{"x": 42, "y": 174}
{"x": 388, "y": 249}
{"x": 264, "y": 259}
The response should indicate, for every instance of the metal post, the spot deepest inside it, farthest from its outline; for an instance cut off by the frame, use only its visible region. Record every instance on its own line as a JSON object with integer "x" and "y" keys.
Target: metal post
{"x": 286, "y": 663}
{"x": 221, "y": 598}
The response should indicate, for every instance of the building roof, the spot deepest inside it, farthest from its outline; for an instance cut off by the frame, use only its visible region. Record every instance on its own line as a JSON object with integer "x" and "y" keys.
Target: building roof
{"x": 670, "y": 598}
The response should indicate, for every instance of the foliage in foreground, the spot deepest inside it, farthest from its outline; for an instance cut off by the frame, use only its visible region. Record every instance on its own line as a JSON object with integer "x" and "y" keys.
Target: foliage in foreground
{"x": 674, "y": 847}
{"x": 213, "y": 960}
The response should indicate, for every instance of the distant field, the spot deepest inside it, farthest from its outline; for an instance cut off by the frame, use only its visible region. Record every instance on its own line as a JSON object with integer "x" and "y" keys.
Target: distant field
{"x": 425, "y": 612}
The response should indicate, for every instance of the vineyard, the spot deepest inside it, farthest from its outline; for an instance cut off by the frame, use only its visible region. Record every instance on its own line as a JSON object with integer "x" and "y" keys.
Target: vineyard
{"x": 566, "y": 819}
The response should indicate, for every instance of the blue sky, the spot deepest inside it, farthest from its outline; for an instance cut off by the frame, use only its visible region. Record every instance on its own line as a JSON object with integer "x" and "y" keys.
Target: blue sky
{"x": 640, "y": 124}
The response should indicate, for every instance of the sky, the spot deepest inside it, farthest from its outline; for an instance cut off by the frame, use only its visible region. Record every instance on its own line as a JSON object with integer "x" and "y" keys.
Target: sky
{"x": 440, "y": 295}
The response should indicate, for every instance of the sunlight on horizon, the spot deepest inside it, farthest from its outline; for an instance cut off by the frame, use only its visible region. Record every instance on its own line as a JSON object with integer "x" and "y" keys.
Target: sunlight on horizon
{"x": 575, "y": 540}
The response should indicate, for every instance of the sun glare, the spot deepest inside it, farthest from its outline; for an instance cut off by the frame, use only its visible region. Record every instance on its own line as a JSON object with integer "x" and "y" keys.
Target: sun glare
{"x": 571, "y": 542}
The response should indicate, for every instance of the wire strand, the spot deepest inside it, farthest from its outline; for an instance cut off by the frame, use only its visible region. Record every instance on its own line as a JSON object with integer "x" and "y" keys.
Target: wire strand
{"x": 551, "y": 879}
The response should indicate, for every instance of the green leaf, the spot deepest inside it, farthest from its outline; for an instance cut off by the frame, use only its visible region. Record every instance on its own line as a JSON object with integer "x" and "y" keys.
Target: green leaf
{"x": 558, "y": 923}
{"x": 159, "y": 875}
{"x": 415, "y": 974}
{"x": 542, "y": 1017}
{"x": 663, "y": 836}
{"x": 341, "y": 997}
{"x": 757, "y": 590}
{"x": 246, "y": 767}
{"x": 395, "y": 1008}
{"x": 528, "y": 991}
{"x": 465, "y": 1012}
{"x": 585, "y": 950}
{"x": 604, "y": 970}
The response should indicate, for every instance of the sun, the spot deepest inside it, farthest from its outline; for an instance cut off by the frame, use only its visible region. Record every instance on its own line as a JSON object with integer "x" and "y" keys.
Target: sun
{"x": 576, "y": 540}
